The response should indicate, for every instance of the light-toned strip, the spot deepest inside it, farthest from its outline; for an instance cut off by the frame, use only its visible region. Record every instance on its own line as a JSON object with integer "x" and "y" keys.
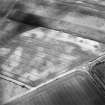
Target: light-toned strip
{"x": 43, "y": 84}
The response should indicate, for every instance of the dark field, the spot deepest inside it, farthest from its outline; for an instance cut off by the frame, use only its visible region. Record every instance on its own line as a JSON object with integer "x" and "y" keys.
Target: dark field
{"x": 75, "y": 89}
